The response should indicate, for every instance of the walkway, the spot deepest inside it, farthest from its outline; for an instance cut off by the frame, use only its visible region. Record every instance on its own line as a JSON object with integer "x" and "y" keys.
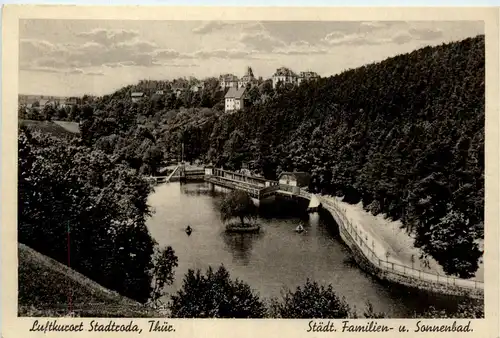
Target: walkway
{"x": 374, "y": 244}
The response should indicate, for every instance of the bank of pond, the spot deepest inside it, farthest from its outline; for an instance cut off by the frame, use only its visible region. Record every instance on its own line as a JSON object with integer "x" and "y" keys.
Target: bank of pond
{"x": 277, "y": 256}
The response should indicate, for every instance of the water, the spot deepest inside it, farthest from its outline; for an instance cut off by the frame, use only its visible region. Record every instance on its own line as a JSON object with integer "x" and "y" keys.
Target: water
{"x": 275, "y": 259}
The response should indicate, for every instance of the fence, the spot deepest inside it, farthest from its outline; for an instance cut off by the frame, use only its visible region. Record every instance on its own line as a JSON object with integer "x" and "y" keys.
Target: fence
{"x": 386, "y": 264}
{"x": 243, "y": 178}
{"x": 234, "y": 184}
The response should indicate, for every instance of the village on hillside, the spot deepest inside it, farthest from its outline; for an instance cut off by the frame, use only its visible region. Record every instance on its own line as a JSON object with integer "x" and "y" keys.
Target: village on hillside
{"x": 236, "y": 89}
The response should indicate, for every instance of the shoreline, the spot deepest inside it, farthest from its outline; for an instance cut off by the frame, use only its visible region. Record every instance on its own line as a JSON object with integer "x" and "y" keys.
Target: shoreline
{"x": 355, "y": 236}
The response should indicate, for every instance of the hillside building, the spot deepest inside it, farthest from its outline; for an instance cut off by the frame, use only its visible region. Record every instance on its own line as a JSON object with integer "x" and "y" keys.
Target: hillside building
{"x": 228, "y": 81}
{"x": 307, "y": 76}
{"x": 234, "y": 99}
{"x": 284, "y": 75}
{"x": 136, "y": 96}
{"x": 248, "y": 78}
{"x": 294, "y": 179}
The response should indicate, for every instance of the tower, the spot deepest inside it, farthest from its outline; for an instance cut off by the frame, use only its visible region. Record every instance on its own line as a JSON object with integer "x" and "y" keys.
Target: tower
{"x": 249, "y": 72}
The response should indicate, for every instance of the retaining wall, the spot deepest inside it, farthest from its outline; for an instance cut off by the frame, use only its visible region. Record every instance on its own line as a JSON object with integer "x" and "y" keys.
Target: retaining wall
{"x": 386, "y": 274}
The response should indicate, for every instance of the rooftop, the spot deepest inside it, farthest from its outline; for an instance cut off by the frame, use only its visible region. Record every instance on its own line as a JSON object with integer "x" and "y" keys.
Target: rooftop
{"x": 229, "y": 77}
{"x": 235, "y": 93}
{"x": 283, "y": 71}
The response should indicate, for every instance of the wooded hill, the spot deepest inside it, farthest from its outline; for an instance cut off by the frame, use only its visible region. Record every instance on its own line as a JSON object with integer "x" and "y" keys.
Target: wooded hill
{"x": 404, "y": 136}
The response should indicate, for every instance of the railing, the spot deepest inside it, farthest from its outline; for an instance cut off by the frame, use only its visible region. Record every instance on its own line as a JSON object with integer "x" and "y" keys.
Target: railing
{"x": 172, "y": 173}
{"x": 195, "y": 172}
{"x": 243, "y": 178}
{"x": 386, "y": 264}
{"x": 269, "y": 190}
{"x": 235, "y": 184}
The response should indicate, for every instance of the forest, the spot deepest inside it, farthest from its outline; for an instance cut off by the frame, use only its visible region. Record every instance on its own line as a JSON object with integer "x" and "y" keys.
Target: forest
{"x": 404, "y": 136}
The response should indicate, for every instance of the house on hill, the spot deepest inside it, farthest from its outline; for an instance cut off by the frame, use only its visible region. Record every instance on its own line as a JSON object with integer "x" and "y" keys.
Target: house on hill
{"x": 228, "y": 81}
{"x": 307, "y": 76}
{"x": 248, "y": 78}
{"x": 295, "y": 179}
{"x": 284, "y": 75}
{"x": 136, "y": 96}
{"x": 234, "y": 98}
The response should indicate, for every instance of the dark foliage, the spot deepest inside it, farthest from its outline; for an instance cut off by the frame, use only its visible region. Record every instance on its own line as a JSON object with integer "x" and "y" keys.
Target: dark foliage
{"x": 237, "y": 204}
{"x": 469, "y": 309}
{"x": 83, "y": 209}
{"x": 309, "y": 301}
{"x": 215, "y": 295}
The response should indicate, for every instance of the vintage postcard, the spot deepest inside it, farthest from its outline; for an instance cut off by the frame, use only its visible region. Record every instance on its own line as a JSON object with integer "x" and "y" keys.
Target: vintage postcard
{"x": 333, "y": 171}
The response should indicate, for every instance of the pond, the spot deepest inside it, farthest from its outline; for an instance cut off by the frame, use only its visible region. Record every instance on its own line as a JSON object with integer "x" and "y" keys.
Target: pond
{"x": 275, "y": 259}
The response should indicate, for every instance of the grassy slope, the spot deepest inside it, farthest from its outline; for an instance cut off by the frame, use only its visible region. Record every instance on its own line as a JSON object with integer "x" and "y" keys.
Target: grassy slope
{"x": 58, "y": 129}
{"x": 45, "y": 286}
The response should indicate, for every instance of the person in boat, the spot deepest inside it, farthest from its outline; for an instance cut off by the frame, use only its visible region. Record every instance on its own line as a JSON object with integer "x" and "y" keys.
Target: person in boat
{"x": 189, "y": 230}
{"x": 299, "y": 228}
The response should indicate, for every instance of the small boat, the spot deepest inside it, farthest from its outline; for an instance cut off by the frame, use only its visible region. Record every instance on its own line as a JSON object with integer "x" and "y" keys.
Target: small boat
{"x": 189, "y": 230}
{"x": 299, "y": 228}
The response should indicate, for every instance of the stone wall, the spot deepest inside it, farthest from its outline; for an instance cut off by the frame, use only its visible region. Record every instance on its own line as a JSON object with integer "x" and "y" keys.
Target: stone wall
{"x": 395, "y": 277}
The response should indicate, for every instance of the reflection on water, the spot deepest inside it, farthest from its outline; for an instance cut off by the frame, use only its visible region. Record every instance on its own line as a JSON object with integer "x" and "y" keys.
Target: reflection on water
{"x": 240, "y": 245}
{"x": 274, "y": 259}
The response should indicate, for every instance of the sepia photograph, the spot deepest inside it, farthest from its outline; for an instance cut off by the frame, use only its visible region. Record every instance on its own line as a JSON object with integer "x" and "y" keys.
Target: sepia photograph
{"x": 280, "y": 169}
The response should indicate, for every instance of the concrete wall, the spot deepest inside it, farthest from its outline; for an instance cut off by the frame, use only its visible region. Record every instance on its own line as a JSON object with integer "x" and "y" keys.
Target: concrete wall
{"x": 395, "y": 277}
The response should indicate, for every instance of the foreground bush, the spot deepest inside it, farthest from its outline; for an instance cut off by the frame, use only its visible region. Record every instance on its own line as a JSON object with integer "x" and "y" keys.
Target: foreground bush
{"x": 215, "y": 295}
{"x": 310, "y": 301}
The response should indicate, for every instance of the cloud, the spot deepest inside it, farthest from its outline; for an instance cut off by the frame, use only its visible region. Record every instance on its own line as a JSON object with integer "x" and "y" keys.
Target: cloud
{"x": 425, "y": 34}
{"x": 176, "y": 65}
{"x": 40, "y": 53}
{"x": 40, "y": 48}
{"x": 300, "y": 48}
{"x": 166, "y": 54}
{"x": 109, "y": 36}
{"x": 223, "y": 54}
{"x": 374, "y": 24}
{"x": 161, "y": 55}
{"x": 399, "y": 37}
{"x": 209, "y": 27}
{"x": 213, "y": 26}
{"x": 261, "y": 41}
{"x": 45, "y": 69}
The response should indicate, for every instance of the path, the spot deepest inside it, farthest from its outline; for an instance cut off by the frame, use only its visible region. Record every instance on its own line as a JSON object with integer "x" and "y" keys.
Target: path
{"x": 388, "y": 236}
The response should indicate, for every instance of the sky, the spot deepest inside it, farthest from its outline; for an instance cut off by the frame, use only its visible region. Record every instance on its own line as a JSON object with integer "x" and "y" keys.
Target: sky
{"x": 76, "y": 57}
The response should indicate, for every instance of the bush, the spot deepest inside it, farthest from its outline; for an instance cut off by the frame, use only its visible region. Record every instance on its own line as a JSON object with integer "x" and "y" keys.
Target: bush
{"x": 238, "y": 204}
{"x": 215, "y": 295}
{"x": 310, "y": 301}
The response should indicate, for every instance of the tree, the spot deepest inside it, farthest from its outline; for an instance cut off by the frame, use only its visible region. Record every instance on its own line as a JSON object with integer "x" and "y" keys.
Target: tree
{"x": 238, "y": 204}
{"x": 68, "y": 192}
{"x": 164, "y": 263}
{"x": 310, "y": 301}
{"x": 465, "y": 309}
{"x": 215, "y": 295}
